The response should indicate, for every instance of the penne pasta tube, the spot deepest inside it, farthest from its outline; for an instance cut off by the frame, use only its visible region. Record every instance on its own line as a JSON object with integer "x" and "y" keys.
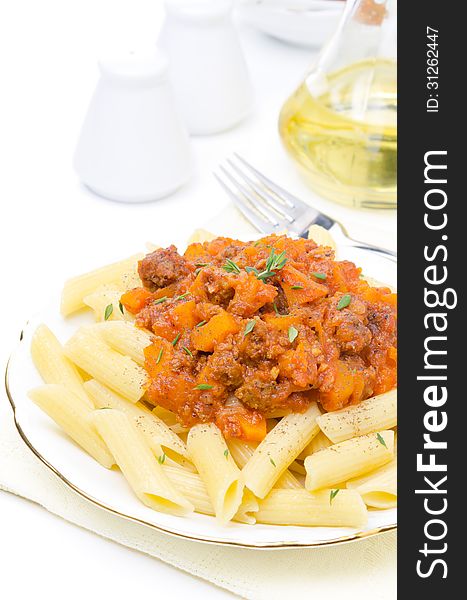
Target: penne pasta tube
{"x": 170, "y": 419}
{"x": 105, "y": 302}
{"x": 247, "y": 510}
{"x": 375, "y": 414}
{"x": 194, "y": 489}
{"x": 76, "y": 288}
{"x": 73, "y": 415}
{"x": 379, "y": 487}
{"x": 242, "y": 452}
{"x": 159, "y": 436}
{"x": 141, "y": 469}
{"x": 327, "y": 508}
{"x": 223, "y": 479}
{"x": 95, "y": 357}
{"x": 321, "y": 236}
{"x": 279, "y": 449}
{"x": 319, "y": 442}
{"x": 53, "y": 366}
{"x": 200, "y": 236}
{"x": 125, "y": 338}
{"x": 348, "y": 459}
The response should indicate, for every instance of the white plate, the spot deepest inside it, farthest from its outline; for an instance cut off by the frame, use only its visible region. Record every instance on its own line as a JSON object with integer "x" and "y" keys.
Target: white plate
{"x": 109, "y": 490}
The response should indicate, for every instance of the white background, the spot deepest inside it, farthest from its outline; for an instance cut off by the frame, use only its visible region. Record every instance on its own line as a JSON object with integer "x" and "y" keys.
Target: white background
{"x": 51, "y": 228}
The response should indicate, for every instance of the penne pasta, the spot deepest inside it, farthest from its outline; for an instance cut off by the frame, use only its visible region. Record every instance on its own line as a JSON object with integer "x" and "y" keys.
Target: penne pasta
{"x": 160, "y": 438}
{"x": 375, "y": 414}
{"x": 125, "y": 338}
{"x": 73, "y": 415}
{"x": 348, "y": 459}
{"x": 379, "y": 487}
{"x": 319, "y": 442}
{"x": 53, "y": 366}
{"x": 327, "y": 508}
{"x": 77, "y": 288}
{"x": 194, "y": 489}
{"x": 321, "y": 236}
{"x": 170, "y": 419}
{"x": 279, "y": 449}
{"x": 103, "y": 298}
{"x": 242, "y": 452}
{"x": 87, "y": 350}
{"x": 138, "y": 464}
{"x": 223, "y": 479}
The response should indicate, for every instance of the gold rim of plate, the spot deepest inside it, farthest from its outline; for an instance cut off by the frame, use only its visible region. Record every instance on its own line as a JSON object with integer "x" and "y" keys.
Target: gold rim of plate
{"x": 216, "y": 541}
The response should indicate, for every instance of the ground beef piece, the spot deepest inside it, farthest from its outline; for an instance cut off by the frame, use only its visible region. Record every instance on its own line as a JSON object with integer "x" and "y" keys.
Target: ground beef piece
{"x": 162, "y": 267}
{"x": 262, "y": 392}
{"x": 225, "y": 366}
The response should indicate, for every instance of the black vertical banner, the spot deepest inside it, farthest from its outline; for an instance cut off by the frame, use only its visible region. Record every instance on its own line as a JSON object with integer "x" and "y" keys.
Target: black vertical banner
{"x": 432, "y": 440}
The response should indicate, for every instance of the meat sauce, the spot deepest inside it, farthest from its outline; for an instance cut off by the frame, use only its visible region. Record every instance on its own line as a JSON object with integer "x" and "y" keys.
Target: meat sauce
{"x": 244, "y": 330}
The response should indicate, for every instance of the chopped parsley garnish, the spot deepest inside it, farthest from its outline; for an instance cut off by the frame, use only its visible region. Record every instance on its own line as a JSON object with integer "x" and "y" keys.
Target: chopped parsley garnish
{"x": 201, "y": 323}
{"x": 333, "y": 494}
{"x": 272, "y": 462}
{"x": 381, "y": 440}
{"x": 201, "y": 265}
{"x": 161, "y": 459}
{"x": 249, "y": 327}
{"x": 226, "y": 453}
{"x": 274, "y": 263}
{"x": 203, "y": 386}
{"x": 344, "y": 301}
{"x": 108, "y": 311}
{"x": 120, "y": 306}
{"x": 182, "y": 296}
{"x": 297, "y": 287}
{"x": 176, "y": 338}
{"x": 160, "y": 300}
{"x": 189, "y": 352}
{"x": 293, "y": 332}
{"x": 231, "y": 267}
{"x": 319, "y": 275}
{"x": 159, "y": 356}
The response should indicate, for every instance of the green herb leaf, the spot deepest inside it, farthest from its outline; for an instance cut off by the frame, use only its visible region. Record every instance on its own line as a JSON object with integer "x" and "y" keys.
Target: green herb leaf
{"x": 293, "y": 332}
{"x": 231, "y": 267}
{"x": 274, "y": 263}
{"x": 189, "y": 352}
{"x": 182, "y": 296}
{"x": 159, "y": 356}
{"x": 297, "y": 287}
{"x": 249, "y": 327}
{"x": 319, "y": 275}
{"x": 161, "y": 459}
{"x": 344, "y": 301}
{"x": 381, "y": 440}
{"x": 201, "y": 264}
{"x": 201, "y": 323}
{"x": 120, "y": 306}
{"x": 160, "y": 300}
{"x": 176, "y": 338}
{"x": 252, "y": 270}
{"x": 272, "y": 462}
{"x": 108, "y": 311}
{"x": 226, "y": 452}
{"x": 203, "y": 386}
{"x": 333, "y": 494}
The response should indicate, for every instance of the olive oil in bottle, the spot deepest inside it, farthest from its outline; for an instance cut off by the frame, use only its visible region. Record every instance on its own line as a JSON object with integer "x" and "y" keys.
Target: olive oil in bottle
{"x": 342, "y": 128}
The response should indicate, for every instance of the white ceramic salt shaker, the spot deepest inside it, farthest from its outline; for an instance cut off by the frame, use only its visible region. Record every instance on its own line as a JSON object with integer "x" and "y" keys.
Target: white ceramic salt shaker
{"x": 133, "y": 146}
{"x": 207, "y": 66}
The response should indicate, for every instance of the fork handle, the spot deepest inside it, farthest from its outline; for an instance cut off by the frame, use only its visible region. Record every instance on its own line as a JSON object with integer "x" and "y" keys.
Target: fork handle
{"x": 342, "y": 238}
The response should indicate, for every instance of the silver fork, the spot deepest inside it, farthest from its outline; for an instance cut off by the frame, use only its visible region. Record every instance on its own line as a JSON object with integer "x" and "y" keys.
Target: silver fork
{"x": 271, "y": 209}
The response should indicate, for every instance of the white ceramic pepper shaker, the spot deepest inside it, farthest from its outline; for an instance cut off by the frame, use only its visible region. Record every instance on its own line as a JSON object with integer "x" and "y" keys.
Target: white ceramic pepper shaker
{"x": 133, "y": 146}
{"x": 207, "y": 66}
